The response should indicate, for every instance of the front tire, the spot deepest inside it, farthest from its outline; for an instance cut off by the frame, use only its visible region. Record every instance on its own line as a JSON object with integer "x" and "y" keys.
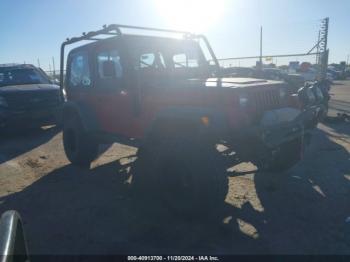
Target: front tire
{"x": 185, "y": 172}
{"x": 289, "y": 154}
{"x": 79, "y": 147}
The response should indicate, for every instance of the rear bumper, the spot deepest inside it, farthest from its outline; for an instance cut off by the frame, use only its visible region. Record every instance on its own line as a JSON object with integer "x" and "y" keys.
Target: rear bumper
{"x": 30, "y": 118}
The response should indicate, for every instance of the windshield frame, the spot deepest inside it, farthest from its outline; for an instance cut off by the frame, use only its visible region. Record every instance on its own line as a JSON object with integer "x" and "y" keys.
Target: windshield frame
{"x": 165, "y": 48}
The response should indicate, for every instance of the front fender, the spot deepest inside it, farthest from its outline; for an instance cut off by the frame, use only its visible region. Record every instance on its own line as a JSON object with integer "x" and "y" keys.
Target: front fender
{"x": 85, "y": 113}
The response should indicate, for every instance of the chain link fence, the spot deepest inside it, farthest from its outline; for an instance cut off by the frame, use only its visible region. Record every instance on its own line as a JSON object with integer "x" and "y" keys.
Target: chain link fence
{"x": 304, "y": 65}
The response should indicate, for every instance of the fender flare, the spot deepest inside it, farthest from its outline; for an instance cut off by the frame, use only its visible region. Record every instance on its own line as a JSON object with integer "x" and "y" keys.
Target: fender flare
{"x": 86, "y": 115}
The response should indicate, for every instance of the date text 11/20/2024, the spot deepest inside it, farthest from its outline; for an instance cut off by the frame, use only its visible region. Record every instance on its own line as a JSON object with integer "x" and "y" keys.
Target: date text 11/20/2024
{"x": 173, "y": 258}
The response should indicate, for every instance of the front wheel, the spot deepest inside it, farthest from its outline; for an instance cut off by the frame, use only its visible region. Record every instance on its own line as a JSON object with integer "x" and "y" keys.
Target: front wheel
{"x": 285, "y": 157}
{"x": 184, "y": 173}
{"x": 79, "y": 147}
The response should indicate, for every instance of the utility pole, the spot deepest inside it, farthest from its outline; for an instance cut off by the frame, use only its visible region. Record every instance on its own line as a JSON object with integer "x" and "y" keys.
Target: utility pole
{"x": 38, "y": 62}
{"x": 347, "y": 60}
{"x": 53, "y": 66}
{"x": 260, "y": 60}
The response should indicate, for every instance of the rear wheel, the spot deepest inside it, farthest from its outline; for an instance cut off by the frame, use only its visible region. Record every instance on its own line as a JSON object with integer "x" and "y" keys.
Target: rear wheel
{"x": 79, "y": 147}
{"x": 184, "y": 171}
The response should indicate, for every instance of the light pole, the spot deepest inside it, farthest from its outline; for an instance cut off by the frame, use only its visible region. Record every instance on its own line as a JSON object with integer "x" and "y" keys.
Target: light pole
{"x": 53, "y": 66}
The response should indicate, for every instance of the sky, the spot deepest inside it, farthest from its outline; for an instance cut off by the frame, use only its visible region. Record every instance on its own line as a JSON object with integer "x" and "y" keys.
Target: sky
{"x": 32, "y": 30}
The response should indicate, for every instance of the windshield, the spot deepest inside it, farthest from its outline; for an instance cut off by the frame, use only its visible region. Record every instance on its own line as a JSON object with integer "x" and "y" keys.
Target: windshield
{"x": 170, "y": 57}
{"x": 21, "y": 76}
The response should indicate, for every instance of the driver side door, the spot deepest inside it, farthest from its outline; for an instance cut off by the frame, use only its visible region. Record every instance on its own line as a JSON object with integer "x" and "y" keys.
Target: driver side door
{"x": 112, "y": 99}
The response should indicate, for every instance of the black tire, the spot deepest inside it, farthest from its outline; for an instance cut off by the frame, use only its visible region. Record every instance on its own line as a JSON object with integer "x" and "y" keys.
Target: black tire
{"x": 58, "y": 119}
{"x": 79, "y": 147}
{"x": 184, "y": 172}
{"x": 286, "y": 157}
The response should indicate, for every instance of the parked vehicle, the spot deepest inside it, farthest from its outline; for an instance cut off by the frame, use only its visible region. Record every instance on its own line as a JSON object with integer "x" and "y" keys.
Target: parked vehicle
{"x": 270, "y": 73}
{"x": 161, "y": 94}
{"x": 347, "y": 73}
{"x": 338, "y": 71}
{"x": 239, "y": 71}
{"x": 295, "y": 81}
{"x": 27, "y": 97}
{"x": 310, "y": 75}
{"x": 336, "y": 75}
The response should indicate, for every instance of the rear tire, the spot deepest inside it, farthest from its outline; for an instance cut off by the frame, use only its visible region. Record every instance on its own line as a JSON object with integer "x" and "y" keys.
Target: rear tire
{"x": 79, "y": 147}
{"x": 184, "y": 172}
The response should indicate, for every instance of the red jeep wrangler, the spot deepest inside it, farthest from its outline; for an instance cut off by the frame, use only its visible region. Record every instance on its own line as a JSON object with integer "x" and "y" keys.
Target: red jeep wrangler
{"x": 168, "y": 93}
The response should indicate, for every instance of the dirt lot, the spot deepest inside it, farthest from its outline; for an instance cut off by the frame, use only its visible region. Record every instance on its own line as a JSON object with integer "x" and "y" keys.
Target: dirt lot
{"x": 68, "y": 210}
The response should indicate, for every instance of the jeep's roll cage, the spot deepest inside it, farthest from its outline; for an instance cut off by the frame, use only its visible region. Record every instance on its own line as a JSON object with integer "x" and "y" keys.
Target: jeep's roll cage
{"x": 114, "y": 30}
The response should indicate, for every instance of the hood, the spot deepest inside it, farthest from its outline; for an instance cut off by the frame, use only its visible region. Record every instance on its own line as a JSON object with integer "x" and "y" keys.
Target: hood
{"x": 28, "y": 88}
{"x": 226, "y": 83}
{"x": 239, "y": 82}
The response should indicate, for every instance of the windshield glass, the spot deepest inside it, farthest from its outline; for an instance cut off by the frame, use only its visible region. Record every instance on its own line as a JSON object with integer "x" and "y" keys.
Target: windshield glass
{"x": 21, "y": 76}
{"x": 170, "y": 57}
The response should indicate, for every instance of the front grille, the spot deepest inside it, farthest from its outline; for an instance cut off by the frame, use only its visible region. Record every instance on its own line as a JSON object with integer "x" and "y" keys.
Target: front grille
{"x": 32, "y": 100}
{"x": 265, "y": 99}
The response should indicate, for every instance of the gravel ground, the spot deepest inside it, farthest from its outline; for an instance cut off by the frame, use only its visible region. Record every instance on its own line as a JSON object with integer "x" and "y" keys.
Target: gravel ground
{"x": 69, "y": 210}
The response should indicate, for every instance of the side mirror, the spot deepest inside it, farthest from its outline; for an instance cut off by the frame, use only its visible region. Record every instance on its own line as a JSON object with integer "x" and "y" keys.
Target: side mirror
{"x": 108, "y": 69}
{"x": 13, "y": 246}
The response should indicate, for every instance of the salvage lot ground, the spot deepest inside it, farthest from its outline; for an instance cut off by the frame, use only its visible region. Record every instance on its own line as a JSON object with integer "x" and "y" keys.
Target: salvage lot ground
{"x": 68, "y": 210}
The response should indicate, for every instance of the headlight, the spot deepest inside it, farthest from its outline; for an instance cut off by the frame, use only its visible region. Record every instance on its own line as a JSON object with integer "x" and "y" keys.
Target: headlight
{"x": 283, "y": 92}
{"x": 243, "y": 100}
{"x": 3, "y": 102}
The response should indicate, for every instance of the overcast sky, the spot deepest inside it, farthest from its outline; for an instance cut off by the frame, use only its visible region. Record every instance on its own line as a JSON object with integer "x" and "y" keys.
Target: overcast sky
{"x": 35, "y": 29}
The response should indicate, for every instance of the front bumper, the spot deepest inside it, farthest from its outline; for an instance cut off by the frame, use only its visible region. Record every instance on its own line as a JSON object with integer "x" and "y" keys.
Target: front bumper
{"x": 279, "y": 134}
{"x": 273, "y": 136}
{"x": 319, "y": 112}
{"x": 29, "y": 118}
{"x": 311, "y": 116}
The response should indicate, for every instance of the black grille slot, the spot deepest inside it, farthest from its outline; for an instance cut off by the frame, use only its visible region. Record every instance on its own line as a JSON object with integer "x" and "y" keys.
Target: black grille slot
{"x": 263, "y": 100}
